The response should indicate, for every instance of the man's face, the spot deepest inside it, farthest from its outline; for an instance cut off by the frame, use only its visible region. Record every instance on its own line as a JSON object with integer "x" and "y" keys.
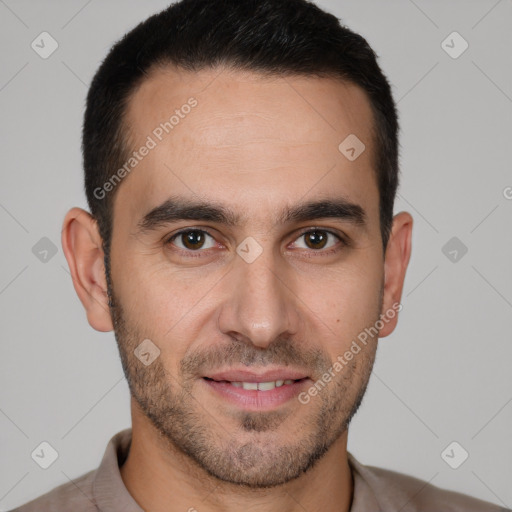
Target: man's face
{"x": 283, "y": 306}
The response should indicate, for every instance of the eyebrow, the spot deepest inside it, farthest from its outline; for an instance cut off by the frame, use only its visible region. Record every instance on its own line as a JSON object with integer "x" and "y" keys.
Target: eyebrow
{"x": 180, "y": 208}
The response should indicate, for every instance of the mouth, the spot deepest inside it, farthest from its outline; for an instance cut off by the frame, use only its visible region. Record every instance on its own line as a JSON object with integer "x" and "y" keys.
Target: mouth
{"x": 257, "y": 392}
{"x": 258, "y": 386}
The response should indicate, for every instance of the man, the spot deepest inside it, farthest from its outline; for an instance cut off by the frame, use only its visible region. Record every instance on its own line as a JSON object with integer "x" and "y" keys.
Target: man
{"x": 241, "y": 164}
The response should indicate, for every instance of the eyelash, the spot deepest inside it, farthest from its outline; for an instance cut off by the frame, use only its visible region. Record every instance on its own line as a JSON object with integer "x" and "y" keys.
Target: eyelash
{"x": 198, "y": 253}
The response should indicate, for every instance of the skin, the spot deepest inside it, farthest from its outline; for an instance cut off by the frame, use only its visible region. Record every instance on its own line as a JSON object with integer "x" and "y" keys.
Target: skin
{"x": 257, "y": 145}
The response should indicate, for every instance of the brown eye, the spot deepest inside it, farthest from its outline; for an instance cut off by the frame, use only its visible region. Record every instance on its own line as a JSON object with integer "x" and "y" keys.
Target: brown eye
{"x": 191, "y": 239}
{"x": 315, "y": 239}
{"x": 318, "y": 239}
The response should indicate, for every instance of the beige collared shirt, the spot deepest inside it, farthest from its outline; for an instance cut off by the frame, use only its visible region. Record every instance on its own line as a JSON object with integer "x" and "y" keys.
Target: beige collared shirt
{"x": 375, "y": 490}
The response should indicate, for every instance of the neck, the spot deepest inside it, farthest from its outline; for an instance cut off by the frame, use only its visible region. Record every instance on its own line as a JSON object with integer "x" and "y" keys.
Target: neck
{"x": 162, "y": 479}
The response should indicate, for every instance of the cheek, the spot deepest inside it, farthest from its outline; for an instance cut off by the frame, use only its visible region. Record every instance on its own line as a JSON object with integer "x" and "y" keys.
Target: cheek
{"x": 170, "y": 308}
{"x": 352, "y": 292}
{"x": 155, "y": 293}
{"x": 345, "y": 305}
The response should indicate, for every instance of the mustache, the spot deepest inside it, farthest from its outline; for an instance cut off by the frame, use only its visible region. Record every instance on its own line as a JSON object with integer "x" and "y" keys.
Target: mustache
{"x": 283, "y": 352}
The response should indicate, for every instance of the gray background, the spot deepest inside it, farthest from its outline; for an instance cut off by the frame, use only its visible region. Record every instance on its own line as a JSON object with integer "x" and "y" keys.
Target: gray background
{"x": 443, "y": 375}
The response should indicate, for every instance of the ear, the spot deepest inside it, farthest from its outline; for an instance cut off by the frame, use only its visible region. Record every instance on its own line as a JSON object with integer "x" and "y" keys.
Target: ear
{"x": 82, "y": 245}
{"x": 398, "y": 252}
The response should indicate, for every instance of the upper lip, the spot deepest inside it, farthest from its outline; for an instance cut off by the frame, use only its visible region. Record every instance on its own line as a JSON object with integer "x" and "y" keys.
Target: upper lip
{"x": 241, "y": 375}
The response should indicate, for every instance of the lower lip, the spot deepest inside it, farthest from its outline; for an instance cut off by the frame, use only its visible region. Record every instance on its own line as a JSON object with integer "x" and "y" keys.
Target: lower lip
{"x": 255, "y": 400}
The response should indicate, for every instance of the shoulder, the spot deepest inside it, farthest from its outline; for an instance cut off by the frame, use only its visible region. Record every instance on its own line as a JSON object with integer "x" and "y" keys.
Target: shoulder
{"x": 76, "y": 495}
{"x": 411, "y": 494}
{"x": 91, "y": 491}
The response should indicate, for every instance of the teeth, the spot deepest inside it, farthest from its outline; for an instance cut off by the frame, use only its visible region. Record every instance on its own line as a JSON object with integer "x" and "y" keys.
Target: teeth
{"x": 261, "y": 386}
{"x": 266, "y": 386}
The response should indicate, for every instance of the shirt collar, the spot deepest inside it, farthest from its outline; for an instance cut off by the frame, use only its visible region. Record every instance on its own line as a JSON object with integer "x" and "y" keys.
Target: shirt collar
{"x": 108, "y": 488}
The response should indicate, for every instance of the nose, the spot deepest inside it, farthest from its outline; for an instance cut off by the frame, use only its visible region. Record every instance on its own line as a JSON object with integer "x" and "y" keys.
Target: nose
{"x": 260, "y": 303}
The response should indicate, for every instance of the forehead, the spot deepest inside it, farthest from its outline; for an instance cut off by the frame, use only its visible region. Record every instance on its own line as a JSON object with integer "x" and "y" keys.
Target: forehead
{"x": 242, "y": 138}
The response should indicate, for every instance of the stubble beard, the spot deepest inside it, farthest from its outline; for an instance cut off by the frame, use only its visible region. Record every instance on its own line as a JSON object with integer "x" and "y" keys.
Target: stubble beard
{"x": 249, "y": 454}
